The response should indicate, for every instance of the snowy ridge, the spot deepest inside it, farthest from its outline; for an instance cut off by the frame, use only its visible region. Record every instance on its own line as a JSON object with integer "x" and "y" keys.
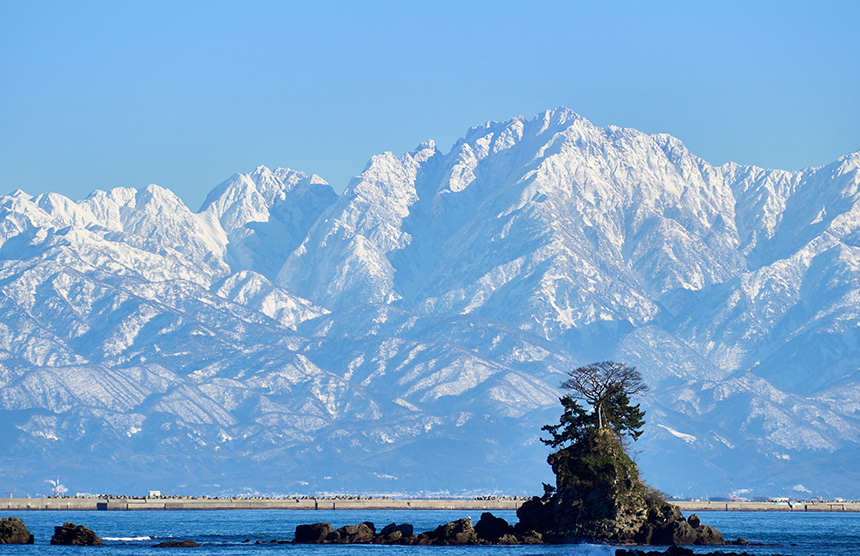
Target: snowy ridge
{"x": 409, "y": 335}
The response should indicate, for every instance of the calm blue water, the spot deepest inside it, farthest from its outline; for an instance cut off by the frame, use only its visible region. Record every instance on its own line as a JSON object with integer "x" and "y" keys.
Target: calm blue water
{"x": 222, "y": 533}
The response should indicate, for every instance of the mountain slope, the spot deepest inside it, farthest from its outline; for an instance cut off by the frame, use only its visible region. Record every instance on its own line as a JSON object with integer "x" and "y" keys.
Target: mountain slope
{"x": 410, "y": 334}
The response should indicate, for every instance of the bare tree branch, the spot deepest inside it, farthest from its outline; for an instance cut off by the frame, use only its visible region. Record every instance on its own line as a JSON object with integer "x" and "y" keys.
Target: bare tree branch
{"x": 597, "y": 382}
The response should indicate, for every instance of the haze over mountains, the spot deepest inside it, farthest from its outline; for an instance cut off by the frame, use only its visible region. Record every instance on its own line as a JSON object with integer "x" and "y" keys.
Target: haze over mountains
{"x": 410, "y": 334}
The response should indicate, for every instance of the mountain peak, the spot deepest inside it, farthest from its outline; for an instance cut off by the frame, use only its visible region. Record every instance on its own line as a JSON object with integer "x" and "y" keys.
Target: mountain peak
{"x": 20, "y": 194}
{"x": 560, "y": 115}
{"x": 424, "y": 151}
{"x": 154, "y": 193}
{"x": 317, "y": 180}
{"x": 849, "y": 162}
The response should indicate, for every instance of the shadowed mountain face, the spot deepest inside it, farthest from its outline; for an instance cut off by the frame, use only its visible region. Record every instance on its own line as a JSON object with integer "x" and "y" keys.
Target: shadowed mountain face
{"x": 410, "y": 334}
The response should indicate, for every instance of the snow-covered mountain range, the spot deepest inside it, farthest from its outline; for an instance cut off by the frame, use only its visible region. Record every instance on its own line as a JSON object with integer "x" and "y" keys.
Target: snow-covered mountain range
{"x": 410, "y": 334}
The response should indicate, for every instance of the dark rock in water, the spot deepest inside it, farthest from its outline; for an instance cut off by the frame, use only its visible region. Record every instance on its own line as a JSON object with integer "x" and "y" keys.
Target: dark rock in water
{"x": 176, "y": 544}
{"x": 14, "y": 531}
{"x": 393, "y": 533}
{"x": 363, "y": 533}
{"x": 75, "y": 535}
{"x": 740, "y": 541}
{"x": 458, "y": 532}
{"x": 666, "y": 525}
{"x": 352, "y": 534}
{"x": 530, "y": 537}
{"x": 509, "y": 539}
{"x": 491, "y": 528}
{"x": 313, "y": 533}
{"x": 536, "y": 514}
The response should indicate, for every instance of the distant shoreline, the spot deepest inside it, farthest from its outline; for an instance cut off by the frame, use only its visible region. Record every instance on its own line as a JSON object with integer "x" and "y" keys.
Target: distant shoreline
{"x": 227, "y": 503}
{"x": 806, "y": 506}
{"x": 361, "y": 503}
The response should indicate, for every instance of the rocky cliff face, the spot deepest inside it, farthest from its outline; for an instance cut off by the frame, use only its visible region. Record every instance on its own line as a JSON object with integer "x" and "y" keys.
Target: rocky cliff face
{"x": 599, "y": 493}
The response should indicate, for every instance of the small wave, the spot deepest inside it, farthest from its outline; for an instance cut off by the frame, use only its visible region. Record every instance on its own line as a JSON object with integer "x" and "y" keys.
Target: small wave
{"x": 127, "y": 539}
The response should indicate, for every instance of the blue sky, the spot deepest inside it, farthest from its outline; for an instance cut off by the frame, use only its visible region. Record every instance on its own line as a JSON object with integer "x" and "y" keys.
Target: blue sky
{"x": 95, "y": 95}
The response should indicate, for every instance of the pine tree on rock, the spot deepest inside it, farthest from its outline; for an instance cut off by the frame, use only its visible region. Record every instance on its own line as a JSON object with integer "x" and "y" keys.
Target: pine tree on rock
{"x": 607, "y": 387}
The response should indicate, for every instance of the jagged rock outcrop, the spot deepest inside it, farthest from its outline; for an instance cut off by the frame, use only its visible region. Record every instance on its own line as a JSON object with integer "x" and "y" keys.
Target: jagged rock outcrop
{"x": 393, "y": 533}
{"x": 536, "y": 514}
{"x": 312, "y": 533}
{"x": 75, "y": 535}
{"x": 362, "y": 533}
{"x": 599, "y": 494}
{"x": 600, "y": 497}
{"x": 666, "y": 525}
{"x": 14, "y": 531}
{"x": 491, "y": 528}
{"x": 458, "y": 532}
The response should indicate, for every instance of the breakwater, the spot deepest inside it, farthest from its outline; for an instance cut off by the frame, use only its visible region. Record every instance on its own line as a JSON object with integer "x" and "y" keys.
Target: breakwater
{"x": 361, "y": 503}
{"x": 204, "y": 503}
{"x": 804, "y": 506}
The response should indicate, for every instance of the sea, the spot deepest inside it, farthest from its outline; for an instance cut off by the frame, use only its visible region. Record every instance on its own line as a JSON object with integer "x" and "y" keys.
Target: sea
{"x": 251, "y": 532}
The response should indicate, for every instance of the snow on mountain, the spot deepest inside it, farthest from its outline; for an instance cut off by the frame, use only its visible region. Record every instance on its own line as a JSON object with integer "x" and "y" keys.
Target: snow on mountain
{"x": 267, "y": 214}
{"x": 410, "y": 334}
{"x": 254, "y": 291}
{"x": 344, "y": 256}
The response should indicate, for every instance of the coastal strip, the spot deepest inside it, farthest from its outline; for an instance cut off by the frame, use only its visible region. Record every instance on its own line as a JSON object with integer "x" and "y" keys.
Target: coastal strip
{"x": 205, "y": 503}
{"x": 800, "y": 506}
{"x": 362, "y": 503}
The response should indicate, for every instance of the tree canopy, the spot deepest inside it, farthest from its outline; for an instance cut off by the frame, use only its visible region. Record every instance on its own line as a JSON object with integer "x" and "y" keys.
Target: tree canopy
{"x": 606, "y": 387}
